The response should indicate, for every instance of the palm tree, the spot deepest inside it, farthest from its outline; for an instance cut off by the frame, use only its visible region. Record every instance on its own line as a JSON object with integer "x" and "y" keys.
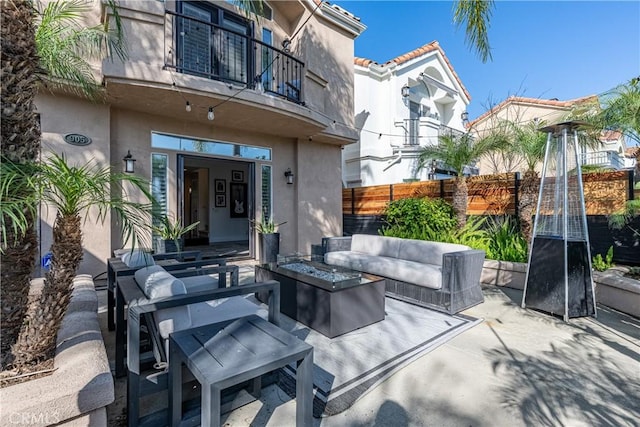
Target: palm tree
{"x": 621, "y": 110}
{"x": 20, "y": 126}
{"x": 457, "y": 152}
{"x": 75, "y": 192}
{"x": 60, "y": 50}
{"x": 529, "y": 144}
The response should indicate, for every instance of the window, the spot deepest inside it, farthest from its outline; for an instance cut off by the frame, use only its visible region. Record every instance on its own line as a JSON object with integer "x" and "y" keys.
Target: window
{"x": 265, "y": 186}
{"x": 267, "y": 60}
{"x": 213, "y": 42}
{"x": 217, "y": 148}
{"x": 159, "y": 164}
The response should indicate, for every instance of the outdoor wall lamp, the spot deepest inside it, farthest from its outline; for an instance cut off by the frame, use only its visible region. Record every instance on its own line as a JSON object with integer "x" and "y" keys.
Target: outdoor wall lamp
{"x": 286, "y": 43}
{"x": 405, "y": 91}
{"x": 465, "y": 117}
{"x": 129, "y": 162}
{"x": 289, "y": 176}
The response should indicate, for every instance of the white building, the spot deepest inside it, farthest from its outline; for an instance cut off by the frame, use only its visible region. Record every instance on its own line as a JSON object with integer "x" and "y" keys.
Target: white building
{"x": 401, "y": 106}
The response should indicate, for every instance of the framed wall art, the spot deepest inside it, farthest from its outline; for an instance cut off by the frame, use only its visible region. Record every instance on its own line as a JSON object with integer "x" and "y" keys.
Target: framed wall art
{"x": 220, "y": 186}
{"x": 221, "y": 200}
{"x": 238, "y": 200}
{"x": 237, "y": 176}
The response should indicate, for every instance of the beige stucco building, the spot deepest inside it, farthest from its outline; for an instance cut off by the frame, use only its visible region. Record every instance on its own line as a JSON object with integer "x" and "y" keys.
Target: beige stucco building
{"x": 215, "y": 106}
{"x": 523, "y": 111}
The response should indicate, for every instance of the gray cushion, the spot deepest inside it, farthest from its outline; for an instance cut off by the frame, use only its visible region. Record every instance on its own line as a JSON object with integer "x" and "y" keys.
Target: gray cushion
{"x": 156, "y": 283}
{"x": 425, "y": 251}
{"x": 137, "y": 258}
{"x": 376, "y": 245}
{"x": 420, "y": 274}
{"x": 200, "y": 283}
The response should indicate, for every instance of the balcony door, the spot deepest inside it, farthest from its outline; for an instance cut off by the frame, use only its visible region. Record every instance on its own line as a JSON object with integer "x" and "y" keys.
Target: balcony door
{"x": 214, "y": 43}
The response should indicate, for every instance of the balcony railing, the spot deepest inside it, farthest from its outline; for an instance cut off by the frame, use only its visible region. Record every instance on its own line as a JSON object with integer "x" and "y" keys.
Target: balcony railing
{"x": 208, "y": 50}
{"x": 446, "y": 130}
{"x": 604, "y": 159}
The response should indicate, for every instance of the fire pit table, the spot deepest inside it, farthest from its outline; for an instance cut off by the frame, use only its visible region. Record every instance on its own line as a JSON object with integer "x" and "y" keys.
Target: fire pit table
{"x": 329, "y": 299}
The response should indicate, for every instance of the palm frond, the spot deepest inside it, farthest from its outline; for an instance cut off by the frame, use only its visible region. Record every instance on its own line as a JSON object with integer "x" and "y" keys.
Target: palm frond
{"x": 475, "y": 15}
{"x": 18, "y": 199}
{"x": 65, "y": 47}
{"x": 77, "y": 190}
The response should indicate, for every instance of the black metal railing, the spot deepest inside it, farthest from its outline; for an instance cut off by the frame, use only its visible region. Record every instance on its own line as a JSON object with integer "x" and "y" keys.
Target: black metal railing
{"x": 208, "y": 50}
{"x": 447, "y": 131}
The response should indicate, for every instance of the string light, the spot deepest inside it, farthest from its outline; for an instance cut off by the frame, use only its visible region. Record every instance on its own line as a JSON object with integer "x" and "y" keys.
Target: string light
{"x": 188, "y": 107}
{"x": 210, "y": 114}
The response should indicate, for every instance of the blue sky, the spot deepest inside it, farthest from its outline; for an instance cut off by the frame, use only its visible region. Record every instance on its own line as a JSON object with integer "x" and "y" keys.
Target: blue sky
{"x": 541, "y": 49}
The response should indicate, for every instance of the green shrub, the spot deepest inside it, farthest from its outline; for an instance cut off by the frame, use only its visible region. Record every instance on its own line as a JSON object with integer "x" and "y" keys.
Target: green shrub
{"x": 472, "y": 234}
{"x": 506, "y": 243}
{"x": 602, "y": 264}
{"x": 423, "y": 219}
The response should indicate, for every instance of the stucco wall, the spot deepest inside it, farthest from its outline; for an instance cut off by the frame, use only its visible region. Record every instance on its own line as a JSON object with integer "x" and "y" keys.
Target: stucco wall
{"x": 59, "y": 116}
{"x": 318, "y": 193}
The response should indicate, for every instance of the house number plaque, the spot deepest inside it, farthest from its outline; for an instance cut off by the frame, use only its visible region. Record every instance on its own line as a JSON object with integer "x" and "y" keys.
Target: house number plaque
{"x": 77, "y": 139}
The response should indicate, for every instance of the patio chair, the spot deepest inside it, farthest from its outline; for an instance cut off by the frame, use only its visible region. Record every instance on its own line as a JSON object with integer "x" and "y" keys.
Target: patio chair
{"x": 125, "y": 262}
{"x": 117, "y": 270}
{"x": 167, "y": 307}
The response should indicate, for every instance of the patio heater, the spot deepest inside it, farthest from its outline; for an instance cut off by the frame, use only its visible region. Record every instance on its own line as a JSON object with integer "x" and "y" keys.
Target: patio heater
{"x": 559, "y": 279}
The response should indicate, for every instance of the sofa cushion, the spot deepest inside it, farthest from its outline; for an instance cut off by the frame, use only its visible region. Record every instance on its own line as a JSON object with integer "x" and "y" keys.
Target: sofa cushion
{"x": 200, "y": 283}
{"x": 420, "y": 274}
{"x": 427, "y": 252}
{"x": 376, "y": 245}
{"x": 137, "y": 258}
{"x": 156, "y": 283}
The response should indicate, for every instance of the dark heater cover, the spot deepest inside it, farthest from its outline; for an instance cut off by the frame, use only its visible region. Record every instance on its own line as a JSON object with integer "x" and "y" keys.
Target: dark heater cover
{"x": 559, "y": 279}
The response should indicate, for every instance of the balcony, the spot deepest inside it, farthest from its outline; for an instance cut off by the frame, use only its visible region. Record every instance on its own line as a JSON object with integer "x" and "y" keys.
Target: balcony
{"x": 203, "y": 49}
{"x": 603, "y": 159}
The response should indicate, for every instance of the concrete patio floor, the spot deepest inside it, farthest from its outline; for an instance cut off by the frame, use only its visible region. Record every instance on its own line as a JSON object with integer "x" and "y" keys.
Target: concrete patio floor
{"x": 517, "y": 368}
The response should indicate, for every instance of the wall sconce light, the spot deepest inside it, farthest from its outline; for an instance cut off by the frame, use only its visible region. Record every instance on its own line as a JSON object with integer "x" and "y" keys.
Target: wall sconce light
{"x": 465, "y": 117}
{"x": 289, "y": 175}
{"x": 210, "y": 114}
{"x": 286, "y": 44}
{"x": 129, "y": 163}
{"x": 405, "y": 91}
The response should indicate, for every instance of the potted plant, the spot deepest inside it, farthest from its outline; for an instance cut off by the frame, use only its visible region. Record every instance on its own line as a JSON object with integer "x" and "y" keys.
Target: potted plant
{"x": 170, "y": 232}
{"x": 268, "y": 239}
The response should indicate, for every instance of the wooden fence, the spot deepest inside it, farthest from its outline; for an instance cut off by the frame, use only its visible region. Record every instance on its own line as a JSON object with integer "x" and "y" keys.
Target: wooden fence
{"x": 604, "y": 193}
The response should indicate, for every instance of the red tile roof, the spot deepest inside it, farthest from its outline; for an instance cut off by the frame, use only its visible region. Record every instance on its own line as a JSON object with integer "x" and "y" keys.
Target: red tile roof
{"x": 534, "y": 101}
{"x": 610, "y": 135}
{"x": 423, "y": 50}
{"x": 632, "y": 152}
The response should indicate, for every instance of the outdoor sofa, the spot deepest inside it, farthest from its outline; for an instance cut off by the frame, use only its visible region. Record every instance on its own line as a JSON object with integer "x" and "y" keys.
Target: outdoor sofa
{"x": 441, "y": 276}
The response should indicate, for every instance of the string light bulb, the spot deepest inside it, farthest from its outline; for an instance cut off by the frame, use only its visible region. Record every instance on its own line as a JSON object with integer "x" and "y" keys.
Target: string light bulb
{"x": 188, "y": 107}
{"x": 210, "y": 114}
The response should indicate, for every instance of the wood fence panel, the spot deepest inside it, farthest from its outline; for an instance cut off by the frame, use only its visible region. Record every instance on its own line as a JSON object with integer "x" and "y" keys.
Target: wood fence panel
{"x": 604, "y": 192}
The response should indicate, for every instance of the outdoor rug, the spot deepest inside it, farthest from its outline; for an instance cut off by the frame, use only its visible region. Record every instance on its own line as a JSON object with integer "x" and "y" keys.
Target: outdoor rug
{"x": 351, "y": 365}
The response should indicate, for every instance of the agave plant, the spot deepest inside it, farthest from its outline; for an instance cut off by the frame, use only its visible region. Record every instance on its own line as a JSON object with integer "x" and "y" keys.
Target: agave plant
{"x": 171, "y": 228}
{"x": 266, "y": 225}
